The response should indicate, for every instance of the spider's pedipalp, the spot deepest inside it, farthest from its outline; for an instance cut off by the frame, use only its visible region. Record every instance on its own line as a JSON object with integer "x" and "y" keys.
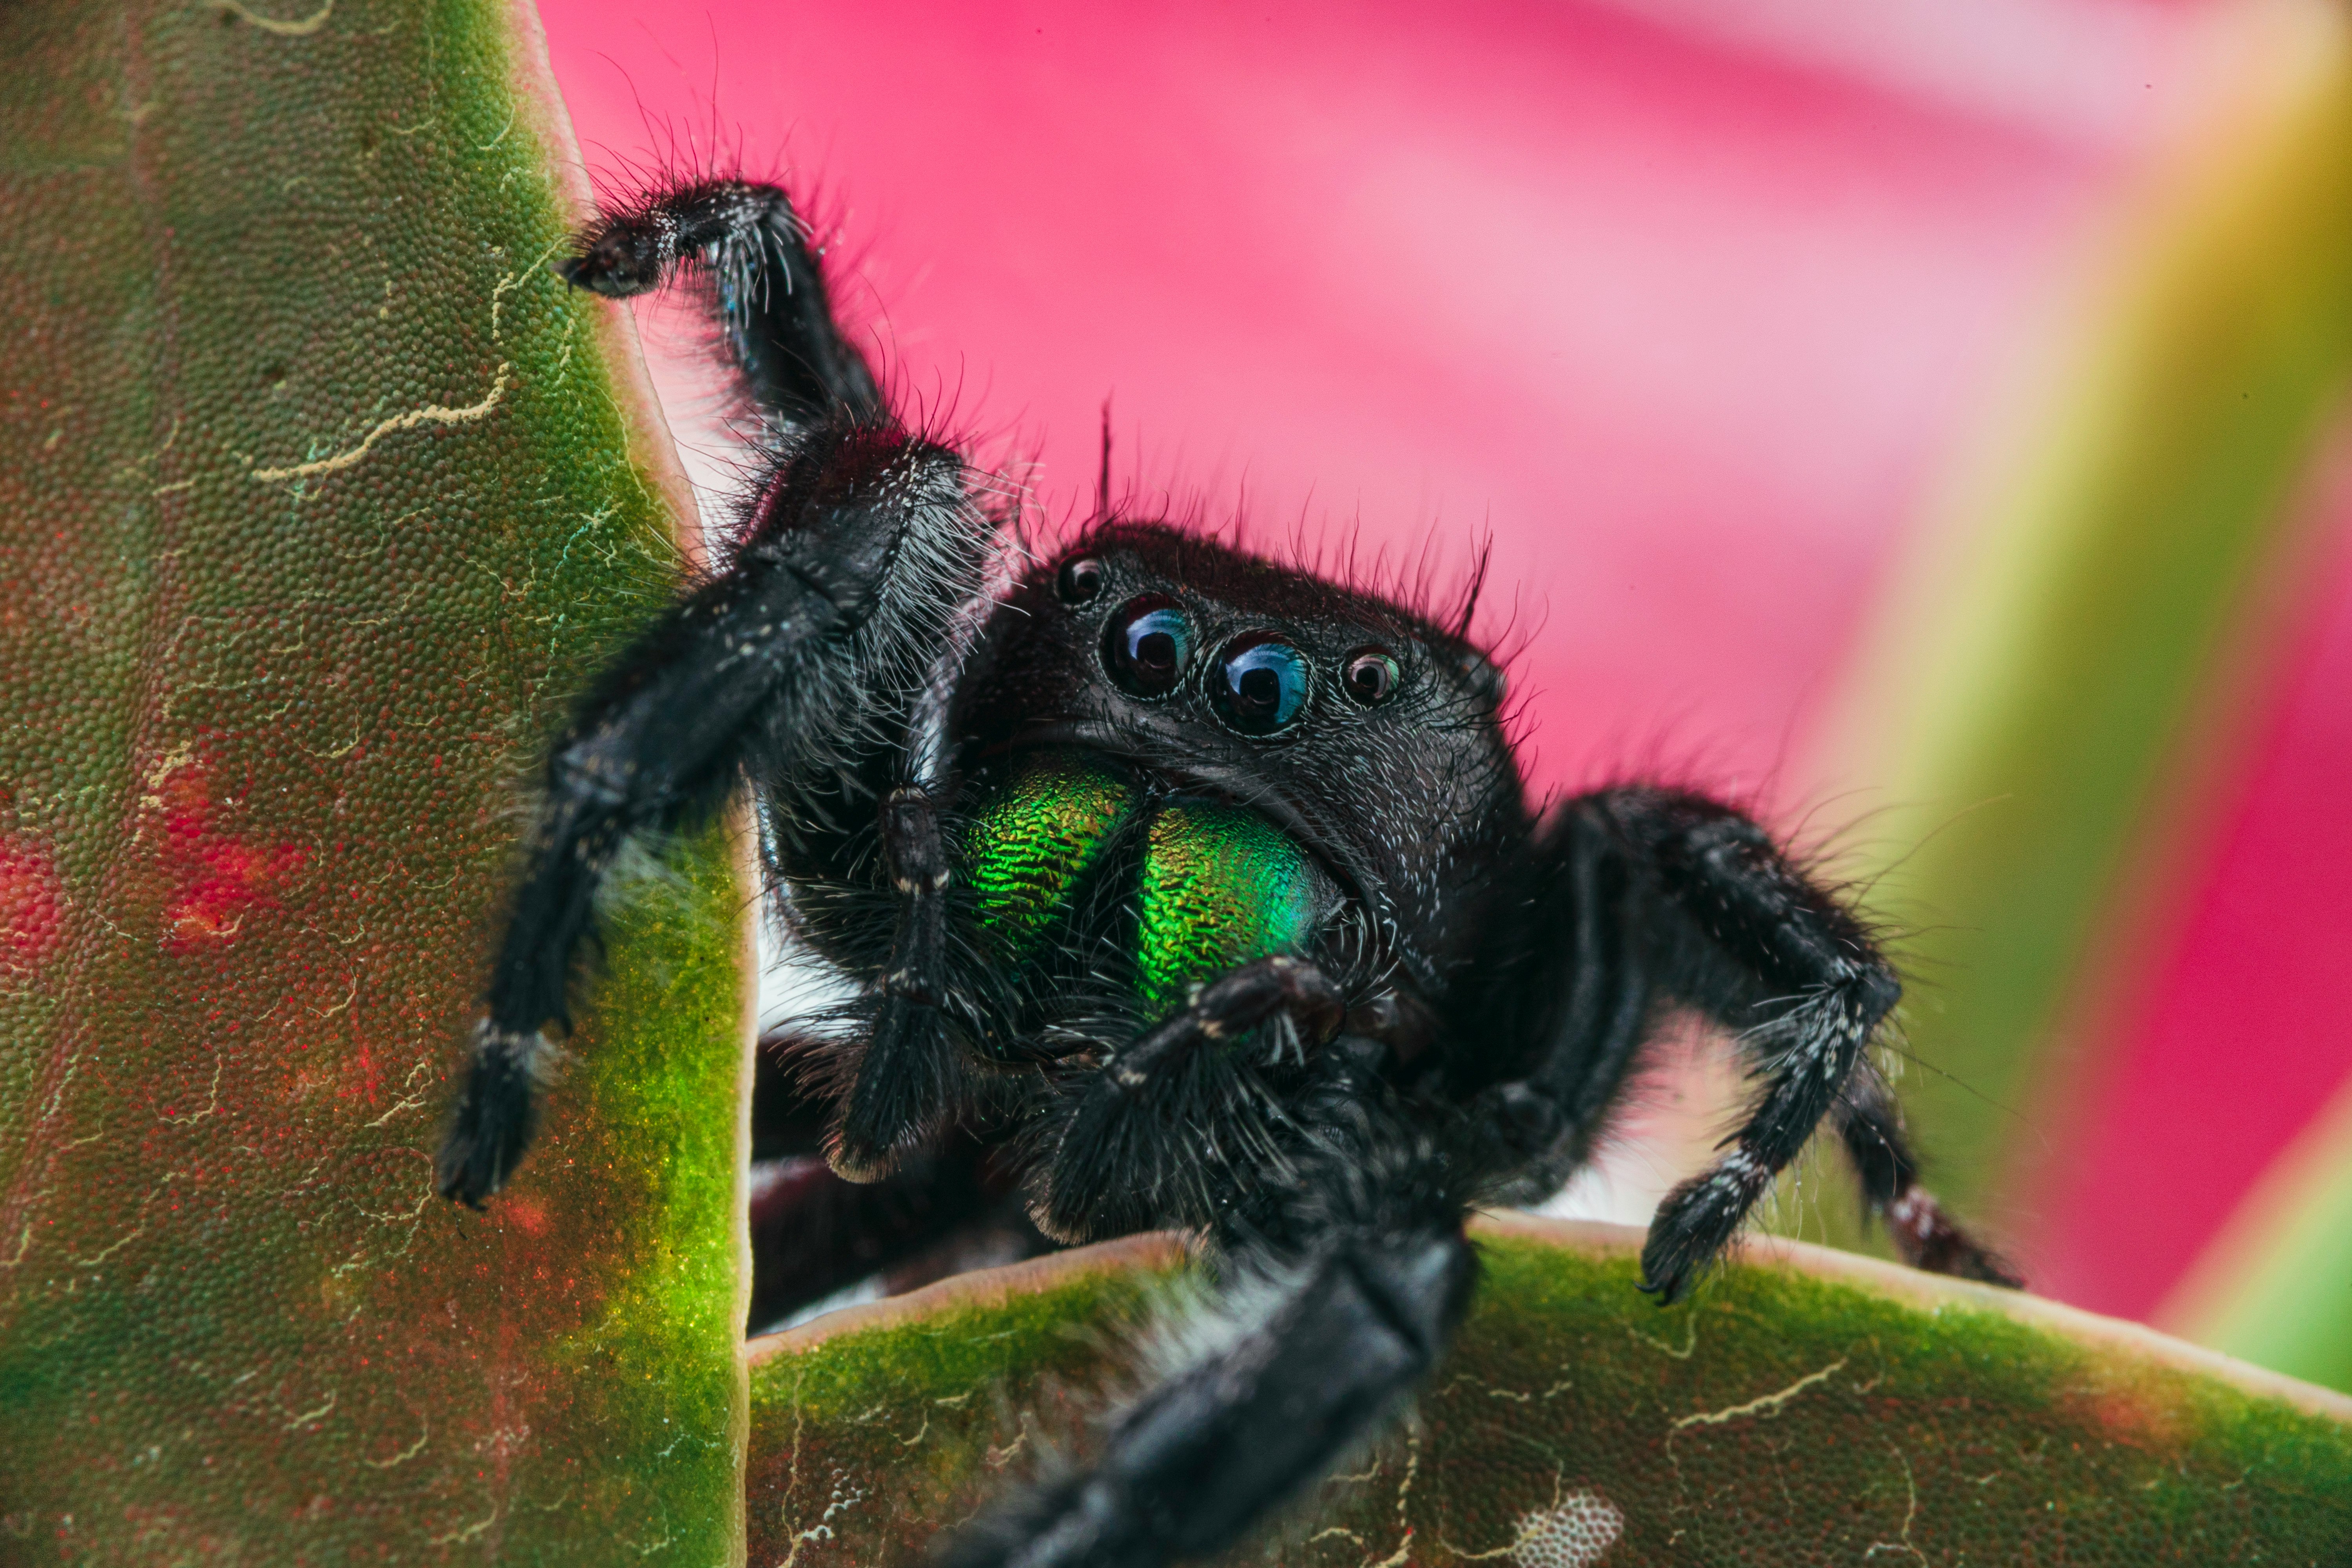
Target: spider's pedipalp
{"x": 1141, "y": 1142}
{"x": 905, "y": 1081}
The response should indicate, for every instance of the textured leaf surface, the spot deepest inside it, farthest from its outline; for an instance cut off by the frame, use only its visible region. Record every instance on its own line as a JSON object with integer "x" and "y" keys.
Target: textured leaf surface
{"x": 1805, "y": 1408}
{"x": 319, "y": 495}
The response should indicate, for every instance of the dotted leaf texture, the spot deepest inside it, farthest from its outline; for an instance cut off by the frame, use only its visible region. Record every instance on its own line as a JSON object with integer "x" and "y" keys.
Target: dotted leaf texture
{"x": 1806, "y": 1408}
{"x": 317, "y": 494}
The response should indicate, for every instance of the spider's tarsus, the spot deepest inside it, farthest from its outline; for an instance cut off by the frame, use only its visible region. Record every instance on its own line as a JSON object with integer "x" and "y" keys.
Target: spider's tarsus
{"x": 618, "y": 257}
{"x": 1929, "y": 1239}
{"x": 495, "y": 1118}
{"x": 1697, "y": 1221}
{"x": 910, "y": 1069}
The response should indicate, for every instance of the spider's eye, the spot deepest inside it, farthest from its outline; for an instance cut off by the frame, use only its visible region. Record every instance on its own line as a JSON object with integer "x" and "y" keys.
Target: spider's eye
{"x": 1079, "y": 580}
{"x": 1262, "y": 686}
{"x": 1147, "y": 646}
{"x": 1371, "y": 676}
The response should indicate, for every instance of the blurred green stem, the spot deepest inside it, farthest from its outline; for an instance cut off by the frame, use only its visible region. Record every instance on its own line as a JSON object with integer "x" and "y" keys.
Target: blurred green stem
{"x": 2051, "y": 665}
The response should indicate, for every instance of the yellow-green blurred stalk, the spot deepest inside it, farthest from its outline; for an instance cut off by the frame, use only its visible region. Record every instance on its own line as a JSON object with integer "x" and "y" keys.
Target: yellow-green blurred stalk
{"x": 2050, "y": 672}
{"x": 2276, "y": 1286}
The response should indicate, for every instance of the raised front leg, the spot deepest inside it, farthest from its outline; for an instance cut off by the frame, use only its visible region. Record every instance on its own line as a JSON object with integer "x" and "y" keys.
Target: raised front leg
{"x": 766, "y": 290}
{"x": 801, "y": 658}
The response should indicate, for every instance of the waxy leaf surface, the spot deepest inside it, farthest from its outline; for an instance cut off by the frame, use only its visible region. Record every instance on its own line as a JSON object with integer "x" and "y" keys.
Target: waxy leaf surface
{"x": 1803, "y": 1409}
{"x": 321, "y": 498}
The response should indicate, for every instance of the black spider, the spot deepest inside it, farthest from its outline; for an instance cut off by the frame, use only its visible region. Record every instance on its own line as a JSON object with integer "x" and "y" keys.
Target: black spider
{"x": 1184, "y": 888}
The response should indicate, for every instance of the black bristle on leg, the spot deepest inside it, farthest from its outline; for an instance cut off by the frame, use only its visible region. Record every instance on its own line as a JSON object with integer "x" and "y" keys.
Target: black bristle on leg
{"x": 1696, "y": 1222}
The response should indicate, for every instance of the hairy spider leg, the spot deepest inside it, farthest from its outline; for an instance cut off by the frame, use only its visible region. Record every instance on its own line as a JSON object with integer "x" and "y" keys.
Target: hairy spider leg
{"x": 1658, "y": 896}
{"x": 907, "y": 1077}
{"x": 1570, "y": 991}
{"x": 767, "y": 290}
{"x": 1323, "y": 1328}
{"x": 1871, "y": 1125}
{"x": 1763, "y": 951}
{"x": 799, "y": 661}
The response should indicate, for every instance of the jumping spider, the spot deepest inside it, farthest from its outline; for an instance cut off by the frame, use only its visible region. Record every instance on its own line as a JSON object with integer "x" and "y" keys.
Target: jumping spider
{"x": 1199, "y": 890}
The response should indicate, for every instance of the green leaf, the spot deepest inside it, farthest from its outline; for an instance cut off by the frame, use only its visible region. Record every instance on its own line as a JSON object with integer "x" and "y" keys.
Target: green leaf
{"x": 321, "y": 493}
{"x": 1808, "y": 1406}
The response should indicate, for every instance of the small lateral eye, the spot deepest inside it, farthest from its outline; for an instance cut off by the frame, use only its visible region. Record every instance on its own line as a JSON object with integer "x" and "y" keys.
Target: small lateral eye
{"x": 1371, "y": 676}
{"x": 1262, "y": 685}
{"x": 1147, "y": 646}
{"x": 1079, "y": 580}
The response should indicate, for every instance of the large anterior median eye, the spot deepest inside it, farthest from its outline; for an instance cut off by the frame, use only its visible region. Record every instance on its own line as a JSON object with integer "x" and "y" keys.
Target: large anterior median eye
{"x": 1261, "y": 686}
{"x": 1147, "y": 646}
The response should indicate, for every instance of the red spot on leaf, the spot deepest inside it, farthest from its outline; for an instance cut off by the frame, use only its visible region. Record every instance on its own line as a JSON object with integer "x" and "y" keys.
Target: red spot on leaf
{"x": 218, "y": 879}
{"x": 30, "y": 902}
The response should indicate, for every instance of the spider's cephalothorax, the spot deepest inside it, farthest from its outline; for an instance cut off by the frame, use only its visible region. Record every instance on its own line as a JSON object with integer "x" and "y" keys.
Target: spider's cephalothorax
{"x": 1181, "y": 889}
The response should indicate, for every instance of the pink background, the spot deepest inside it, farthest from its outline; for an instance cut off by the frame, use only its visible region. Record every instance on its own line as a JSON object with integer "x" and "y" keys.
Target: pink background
{"x": 1687, "y": 324}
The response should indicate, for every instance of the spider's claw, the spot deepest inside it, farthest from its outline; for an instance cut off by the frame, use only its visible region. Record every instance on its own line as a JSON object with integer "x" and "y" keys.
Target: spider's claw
{"x": 1697, "y": 1221}
{"x": 619, "y": 257}
{"x": 495, "y": 1117}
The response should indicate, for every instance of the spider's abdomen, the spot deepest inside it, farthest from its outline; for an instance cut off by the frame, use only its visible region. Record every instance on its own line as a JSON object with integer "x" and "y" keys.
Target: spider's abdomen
{"x": 1203, "y": 887}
